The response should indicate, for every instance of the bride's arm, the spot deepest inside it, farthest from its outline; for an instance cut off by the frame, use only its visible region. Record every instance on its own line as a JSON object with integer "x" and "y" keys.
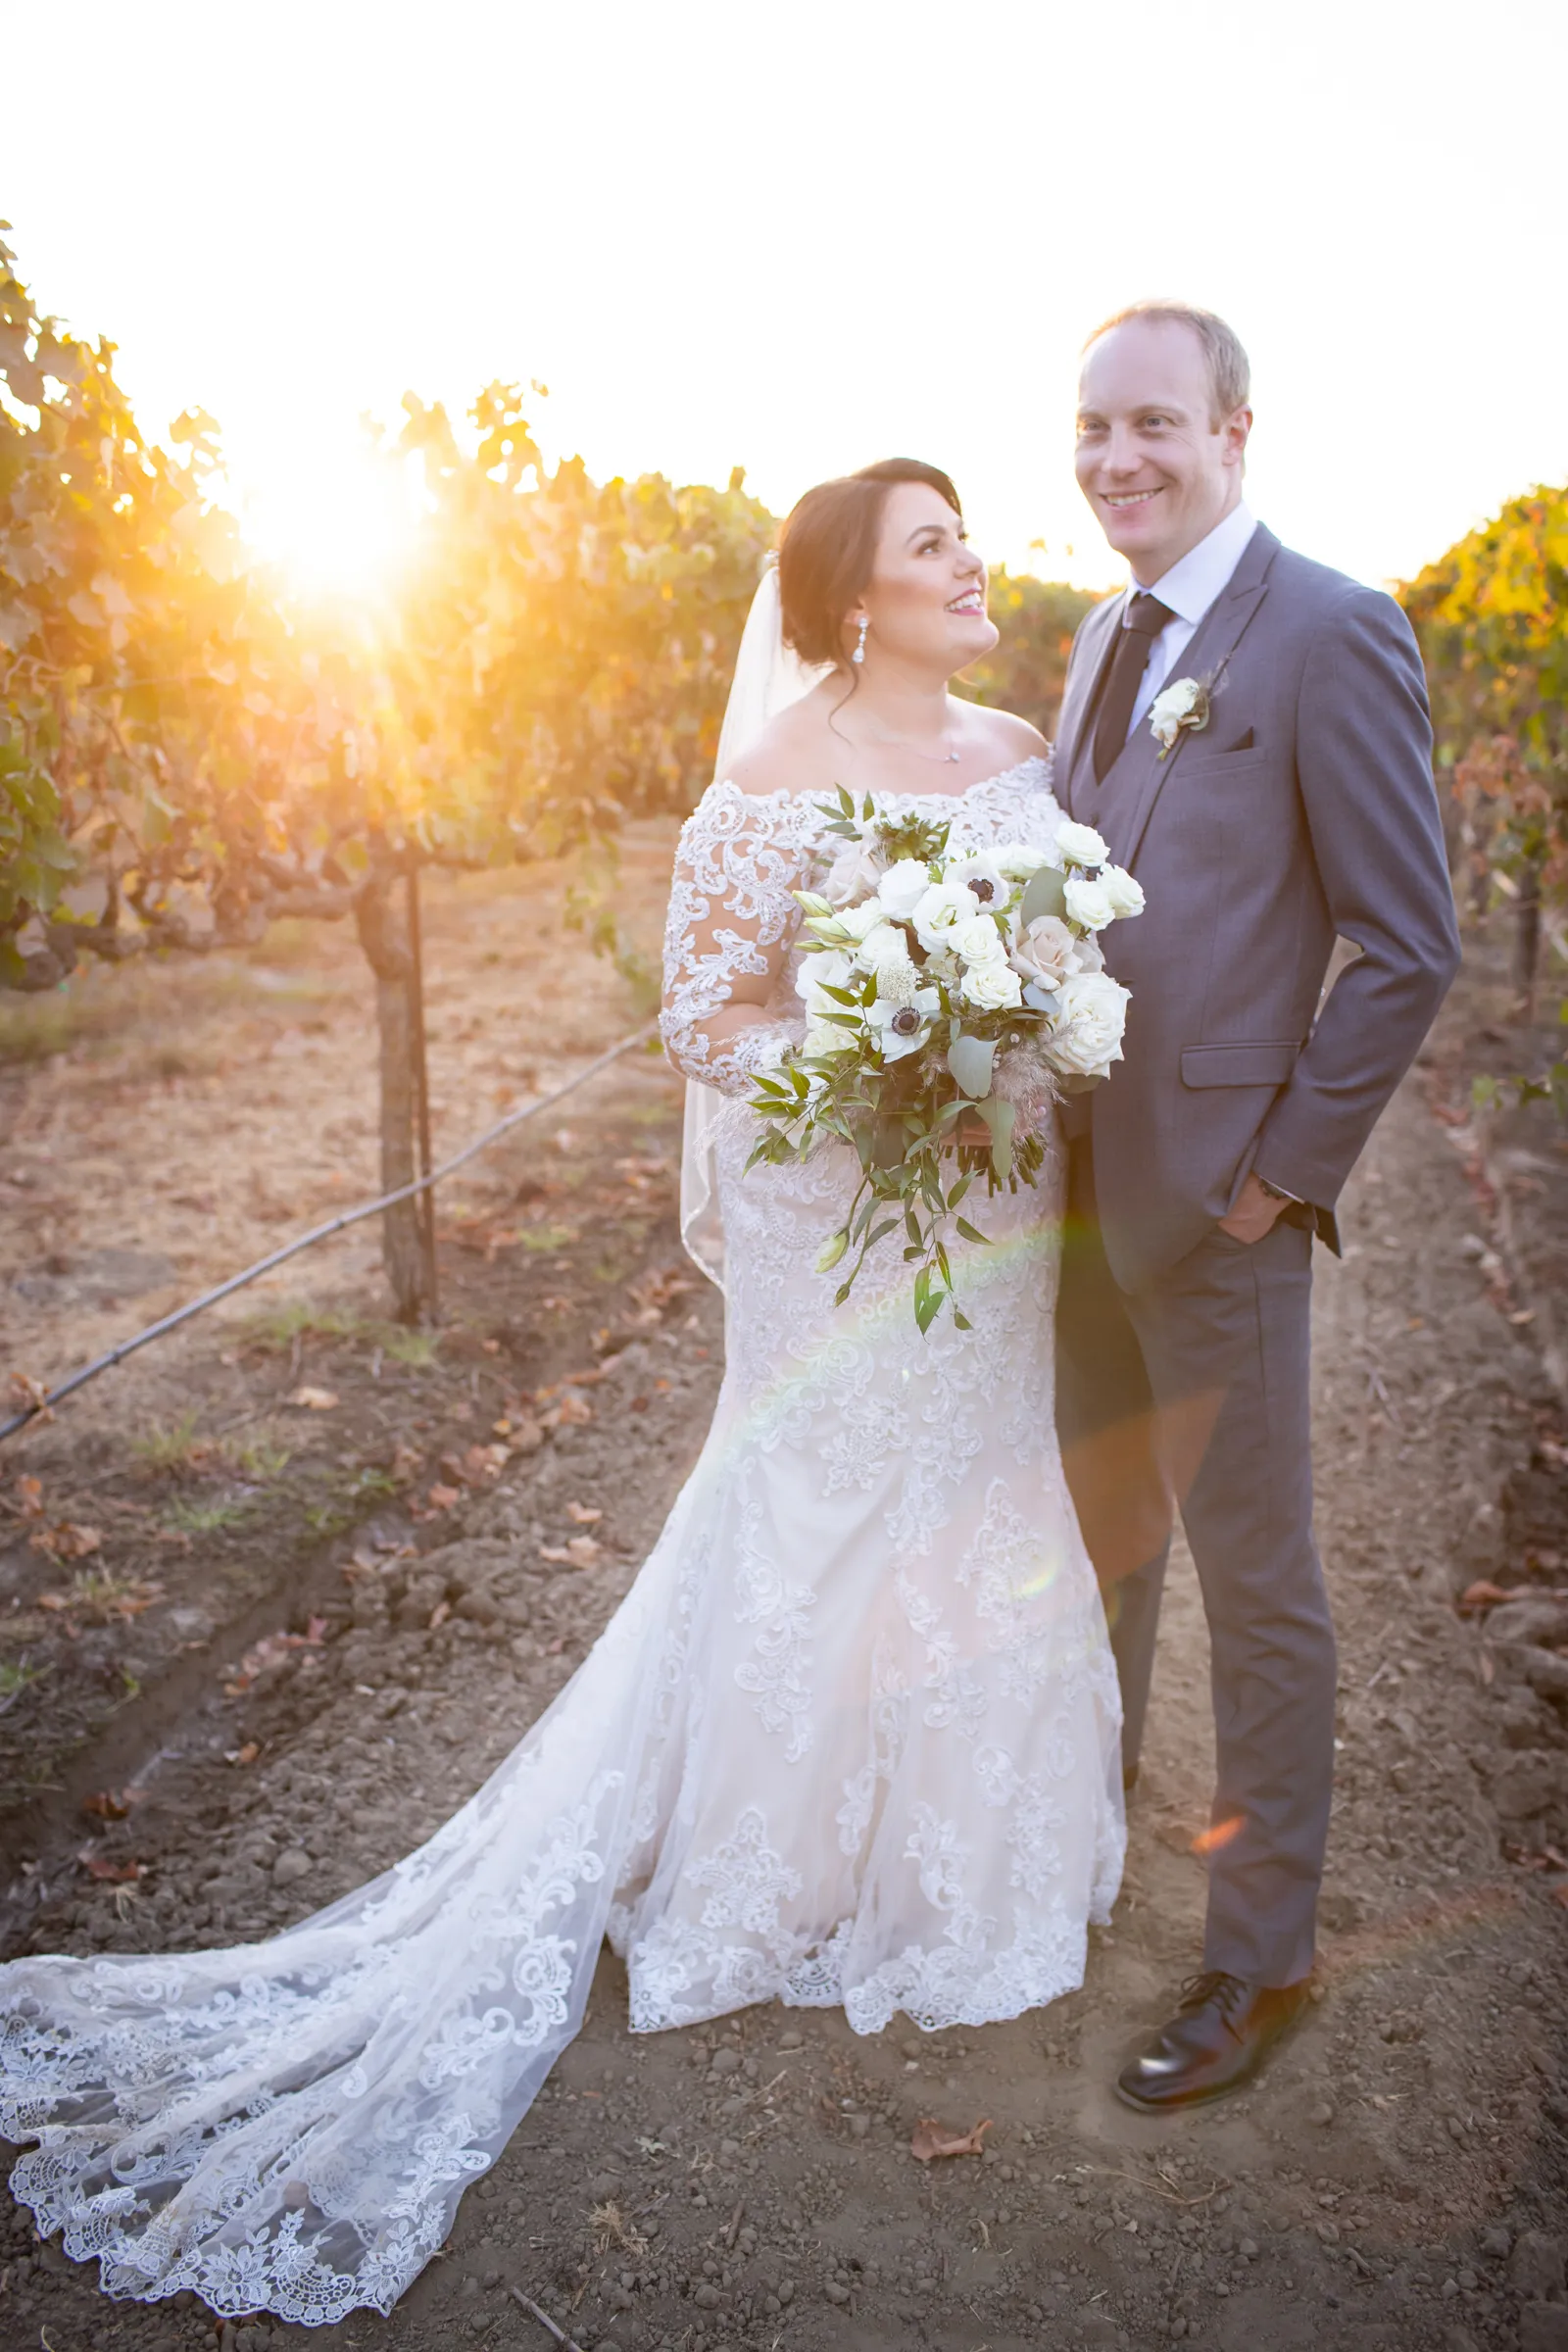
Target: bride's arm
{"x": 730, "y": 928}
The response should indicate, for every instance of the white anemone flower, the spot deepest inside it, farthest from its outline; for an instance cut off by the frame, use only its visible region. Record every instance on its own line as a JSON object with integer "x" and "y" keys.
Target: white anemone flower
{"x": 901, "y": 1029}
{"x": 982, "y": 872}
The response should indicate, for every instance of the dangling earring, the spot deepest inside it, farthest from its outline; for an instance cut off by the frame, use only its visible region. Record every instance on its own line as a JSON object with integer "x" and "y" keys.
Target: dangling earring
{"x": 859, "y": 654}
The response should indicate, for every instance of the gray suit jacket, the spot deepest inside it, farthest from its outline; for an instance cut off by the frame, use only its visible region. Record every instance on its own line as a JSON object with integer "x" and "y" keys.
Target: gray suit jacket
{"x": 1304, "y": 809}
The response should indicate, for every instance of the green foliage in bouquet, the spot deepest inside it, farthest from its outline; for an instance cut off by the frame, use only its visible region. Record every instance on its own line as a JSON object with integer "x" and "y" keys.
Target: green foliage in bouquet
{"x": 902, "y": 1118}
{"x": 902, "y": 1125}
{"x": 921, "y": 838}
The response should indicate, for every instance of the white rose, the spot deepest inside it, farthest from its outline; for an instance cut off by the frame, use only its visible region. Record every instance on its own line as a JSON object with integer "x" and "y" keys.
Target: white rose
{"x": 934, "y": 916}
{"x": 854, "y": 874}
{"x": 901, "y": 888}
{"x": 830, "y": 971}
{"x": 991, "y": 987}
{"x": 888, "y": 944}
{"x": 1046, "y": 952}
{"x": 1094, "y": 1015}
{"x": 1018, "y": 862}
{"x": 977, "y": 941}
{"x": 1174, "y": 708}
{"x": 859, "y": 921}
{"x": 1125, "y": 895}
{"x": 825, "y": 1037}
{"x": 1080, "y": 845}
{"x": 1088, "y": 902}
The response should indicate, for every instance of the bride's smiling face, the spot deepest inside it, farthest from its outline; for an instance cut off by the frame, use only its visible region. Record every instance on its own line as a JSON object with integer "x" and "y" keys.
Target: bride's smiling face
{"x": 926, "y": 597}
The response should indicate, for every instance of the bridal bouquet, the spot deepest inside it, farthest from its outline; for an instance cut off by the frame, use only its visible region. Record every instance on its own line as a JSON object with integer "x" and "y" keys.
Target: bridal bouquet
{"x": 942, "y": 990}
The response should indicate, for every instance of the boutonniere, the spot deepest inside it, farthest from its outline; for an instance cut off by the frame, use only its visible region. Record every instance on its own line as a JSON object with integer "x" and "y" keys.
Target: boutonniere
{"x": 1179, "y": 708}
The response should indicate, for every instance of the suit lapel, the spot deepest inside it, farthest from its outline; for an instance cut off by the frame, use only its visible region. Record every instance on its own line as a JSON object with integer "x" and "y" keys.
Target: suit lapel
{"x": 1138, "y": 779}
{"x": 1083, "y": 687}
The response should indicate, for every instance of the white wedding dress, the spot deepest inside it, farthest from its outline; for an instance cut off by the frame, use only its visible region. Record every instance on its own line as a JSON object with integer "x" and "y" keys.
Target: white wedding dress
{"x": 851, "y": 1739}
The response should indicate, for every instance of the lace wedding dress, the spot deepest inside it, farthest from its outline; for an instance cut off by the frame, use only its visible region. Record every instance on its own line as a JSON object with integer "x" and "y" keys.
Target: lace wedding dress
{"x": 851, "y": 1738}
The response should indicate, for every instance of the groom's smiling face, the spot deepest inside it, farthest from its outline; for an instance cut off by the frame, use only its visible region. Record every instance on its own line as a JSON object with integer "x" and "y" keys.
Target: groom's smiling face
{"x": 1154, "y": 460}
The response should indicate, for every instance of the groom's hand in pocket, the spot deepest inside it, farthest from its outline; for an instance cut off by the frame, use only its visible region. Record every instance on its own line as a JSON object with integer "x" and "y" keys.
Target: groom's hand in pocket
{"x": 1255, "y": 1213}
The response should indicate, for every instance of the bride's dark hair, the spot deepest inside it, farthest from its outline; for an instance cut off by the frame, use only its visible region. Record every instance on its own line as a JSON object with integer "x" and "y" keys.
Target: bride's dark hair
{"x": 829, "y": 548}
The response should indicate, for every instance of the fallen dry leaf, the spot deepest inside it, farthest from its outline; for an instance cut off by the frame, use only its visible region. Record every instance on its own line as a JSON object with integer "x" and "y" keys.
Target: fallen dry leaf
{"x": 520, "y": 1430}
{"x": 406, "y": 1464}
{"x": 579, "y": 1551}
{"x": 584, "y": 1515}
{"x": 439, "y": 1614}
{"x": 118, "y": 1873}
{"x": 243, "y": 1755}
{"x": 485, "y": 1461}
{"x": 315, "y": 1400}
{"x": 1486, "y": 1595}
{"x": 269, "y": 1652}
{"x": 28, "y": 1397}
{"x": 931, "y": 2139}
{"x": 442, "y": 1498}
{"x": 100, "y": 1597}
{"x": 29, "y": 1496}
{"x": 573, "y": 1411}
{"x": 65, "y": 1540}
{"x": 113, "y": 1804}
{"x": 657, "y": 1289}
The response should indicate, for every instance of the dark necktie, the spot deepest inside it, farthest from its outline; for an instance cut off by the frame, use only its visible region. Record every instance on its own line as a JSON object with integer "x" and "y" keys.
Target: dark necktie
{"x": 1145, "y": 618}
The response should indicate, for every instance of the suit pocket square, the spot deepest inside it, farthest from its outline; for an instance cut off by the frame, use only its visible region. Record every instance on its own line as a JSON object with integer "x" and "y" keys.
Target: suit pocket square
{"x": 1240, "y": 760}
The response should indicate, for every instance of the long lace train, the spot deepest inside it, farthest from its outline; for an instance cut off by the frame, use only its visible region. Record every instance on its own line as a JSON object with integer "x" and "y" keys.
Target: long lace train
{"x": 851, "y": 1737}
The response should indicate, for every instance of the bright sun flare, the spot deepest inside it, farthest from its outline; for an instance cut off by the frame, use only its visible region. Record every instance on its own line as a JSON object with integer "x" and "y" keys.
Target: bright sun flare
{"x": 338, "y": 524}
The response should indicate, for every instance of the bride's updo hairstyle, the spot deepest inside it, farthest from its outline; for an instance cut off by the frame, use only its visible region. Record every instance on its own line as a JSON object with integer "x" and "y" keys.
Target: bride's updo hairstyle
{"x": 828, "y": 549}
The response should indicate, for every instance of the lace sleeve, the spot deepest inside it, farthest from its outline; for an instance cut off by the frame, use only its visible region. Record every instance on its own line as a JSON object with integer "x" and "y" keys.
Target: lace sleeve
{"x": 731, "y": 913}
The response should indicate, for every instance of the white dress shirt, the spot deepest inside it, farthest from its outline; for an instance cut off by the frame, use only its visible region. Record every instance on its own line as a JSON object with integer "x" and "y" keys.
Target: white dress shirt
{"x": 1188, "y": 588}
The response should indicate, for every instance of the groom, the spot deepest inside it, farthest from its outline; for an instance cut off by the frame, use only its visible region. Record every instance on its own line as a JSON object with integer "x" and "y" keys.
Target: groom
{"x": 1276, "y": 794}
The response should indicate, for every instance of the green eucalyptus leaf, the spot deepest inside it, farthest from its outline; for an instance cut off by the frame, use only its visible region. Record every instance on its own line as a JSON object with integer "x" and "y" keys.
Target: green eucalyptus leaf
{"x": 999, "y": 1116}
{"x": 971, "y": 1060}
{"x": 1044, "y": 893}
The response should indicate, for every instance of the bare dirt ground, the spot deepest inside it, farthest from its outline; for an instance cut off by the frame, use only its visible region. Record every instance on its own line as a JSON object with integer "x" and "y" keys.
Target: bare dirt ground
{"x": 253, "y": 1649}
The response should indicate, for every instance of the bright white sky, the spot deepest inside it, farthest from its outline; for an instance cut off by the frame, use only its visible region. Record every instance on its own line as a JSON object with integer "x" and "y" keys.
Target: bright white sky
{"x": 798, "y": 236}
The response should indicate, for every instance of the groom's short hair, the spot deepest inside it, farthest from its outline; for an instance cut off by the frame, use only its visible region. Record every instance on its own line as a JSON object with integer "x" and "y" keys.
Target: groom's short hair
{"x": 1230, "y": 373}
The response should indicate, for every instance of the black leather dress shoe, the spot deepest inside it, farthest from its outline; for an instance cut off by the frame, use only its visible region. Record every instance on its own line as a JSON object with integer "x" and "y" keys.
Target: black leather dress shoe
{"x": 1223, "y": 2030}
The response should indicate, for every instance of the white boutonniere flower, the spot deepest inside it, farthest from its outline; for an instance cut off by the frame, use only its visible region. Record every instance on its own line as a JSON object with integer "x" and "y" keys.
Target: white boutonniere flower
{"x": 1181, "y": 708}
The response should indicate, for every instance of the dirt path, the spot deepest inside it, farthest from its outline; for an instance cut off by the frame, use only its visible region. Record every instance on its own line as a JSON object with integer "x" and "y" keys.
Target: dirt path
{"x": 1397, "y": 2180}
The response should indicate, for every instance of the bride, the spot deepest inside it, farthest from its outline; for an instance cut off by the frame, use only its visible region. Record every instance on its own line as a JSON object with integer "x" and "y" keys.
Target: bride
{"x": 851, "y": 1739}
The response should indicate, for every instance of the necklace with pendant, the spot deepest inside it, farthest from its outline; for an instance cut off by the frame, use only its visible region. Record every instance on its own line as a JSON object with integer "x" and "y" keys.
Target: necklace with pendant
{"x": 936, "y": 758}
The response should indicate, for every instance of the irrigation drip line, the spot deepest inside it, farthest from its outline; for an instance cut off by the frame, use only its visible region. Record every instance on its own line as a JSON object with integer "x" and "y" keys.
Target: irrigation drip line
{"x": 319, "y": 1232}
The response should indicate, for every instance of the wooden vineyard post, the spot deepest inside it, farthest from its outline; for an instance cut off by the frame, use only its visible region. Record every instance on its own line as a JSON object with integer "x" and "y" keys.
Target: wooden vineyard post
{"x": 422, "y": 1089}
{"x": 382, "y": 911}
